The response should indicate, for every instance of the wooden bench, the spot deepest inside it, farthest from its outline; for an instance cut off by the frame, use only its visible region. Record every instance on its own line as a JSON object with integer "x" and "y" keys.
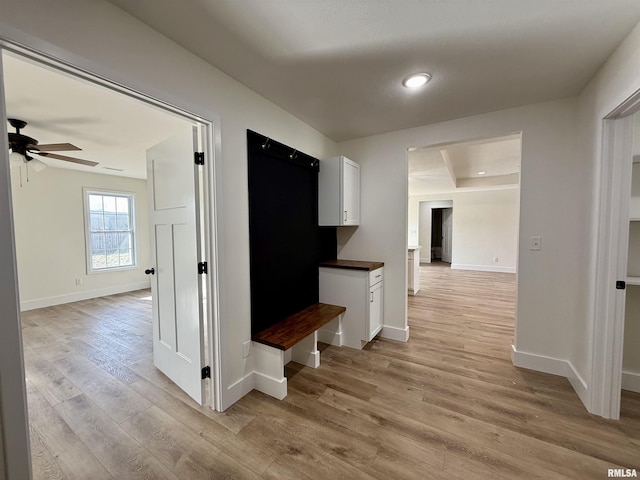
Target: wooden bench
{"x": 293, "y": 339}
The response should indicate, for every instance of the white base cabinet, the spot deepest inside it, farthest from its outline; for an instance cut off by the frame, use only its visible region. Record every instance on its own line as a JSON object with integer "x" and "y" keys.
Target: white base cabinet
{"x": 362, "y": 292}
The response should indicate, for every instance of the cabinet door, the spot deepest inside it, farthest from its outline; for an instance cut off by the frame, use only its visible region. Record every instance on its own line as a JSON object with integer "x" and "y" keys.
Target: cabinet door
{"x": 375, "y": 310}
{"x": 351, "y": 193}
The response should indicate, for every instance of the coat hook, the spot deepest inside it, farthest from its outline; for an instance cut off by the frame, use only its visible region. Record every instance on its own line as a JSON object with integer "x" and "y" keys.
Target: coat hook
{"x": 265, "y": 145}
{"x": 293, "y": 154}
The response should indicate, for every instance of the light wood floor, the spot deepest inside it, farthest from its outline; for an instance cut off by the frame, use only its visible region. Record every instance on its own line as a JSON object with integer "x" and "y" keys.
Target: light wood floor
{"x": 447, "y": 404}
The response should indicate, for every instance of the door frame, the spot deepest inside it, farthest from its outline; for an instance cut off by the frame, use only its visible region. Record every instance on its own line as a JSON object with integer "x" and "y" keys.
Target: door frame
{"x": 13, "y": 412}
{"x": 449, "y": 238}
{"x": 15, "y": 457}
{"x": 611, "y": 259}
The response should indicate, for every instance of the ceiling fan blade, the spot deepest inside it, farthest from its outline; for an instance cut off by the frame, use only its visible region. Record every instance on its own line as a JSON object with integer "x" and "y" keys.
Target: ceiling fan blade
{"x": 55, "y": 147}
{"x": 89, "y": 163}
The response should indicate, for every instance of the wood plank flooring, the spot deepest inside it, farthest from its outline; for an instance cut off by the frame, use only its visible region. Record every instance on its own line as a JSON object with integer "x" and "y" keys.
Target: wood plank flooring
{"x": 447, "y": 404}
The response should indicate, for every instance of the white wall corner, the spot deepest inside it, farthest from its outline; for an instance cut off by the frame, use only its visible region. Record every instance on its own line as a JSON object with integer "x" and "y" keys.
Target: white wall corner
{"x": 579, "y": 385}
{"x": 631, "y": 381}
{"x": 395, "y": 333}
{"x": 554, "y": 366}
{"x": 77, "y": 297}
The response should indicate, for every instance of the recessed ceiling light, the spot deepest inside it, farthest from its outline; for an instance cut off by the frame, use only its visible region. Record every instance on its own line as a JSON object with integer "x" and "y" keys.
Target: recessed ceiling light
{"x": 482, "y": 173}
{"x": 416, "y": 80}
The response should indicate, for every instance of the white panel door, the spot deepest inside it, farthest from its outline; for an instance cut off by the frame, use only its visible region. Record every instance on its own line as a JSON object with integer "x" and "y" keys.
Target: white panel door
{"x": 447, "y": 230}
{"x": 178, "y": 331}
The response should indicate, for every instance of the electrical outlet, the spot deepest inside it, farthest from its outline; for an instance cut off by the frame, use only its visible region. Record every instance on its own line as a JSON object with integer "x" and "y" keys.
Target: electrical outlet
{"x": 78, "y": 281}
{"x": 495, "y": 259}
{"x": 535, "y": 243}
{"x": 246, "y": 349}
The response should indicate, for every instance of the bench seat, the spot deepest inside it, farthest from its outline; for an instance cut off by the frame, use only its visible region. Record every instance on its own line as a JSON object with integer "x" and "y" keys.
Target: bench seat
{"x": 286, "y": 333}
{"x": 293, "y": 339}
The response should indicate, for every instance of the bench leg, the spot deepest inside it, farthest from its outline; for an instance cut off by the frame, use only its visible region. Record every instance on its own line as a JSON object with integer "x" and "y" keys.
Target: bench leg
{"x": 269, "y": 370}
{"x": 306, "y": 352}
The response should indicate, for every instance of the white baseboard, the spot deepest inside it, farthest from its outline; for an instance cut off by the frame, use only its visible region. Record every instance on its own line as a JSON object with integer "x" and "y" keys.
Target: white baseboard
{"x": 330, "y": 337}
{"x": 274, "y": 387}
{"x": 539, "y": 363}
{"x": 554, "y": 366}
{"x": 236, "y": 391}
{"x": 631, "y": 381}
{"x": 395, "y": 333}
{"x": 483, "y": 268}
{"x": 79, "y": 296}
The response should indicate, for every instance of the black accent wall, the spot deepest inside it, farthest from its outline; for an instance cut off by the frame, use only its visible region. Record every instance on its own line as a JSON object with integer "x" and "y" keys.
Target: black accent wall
{"x": 283, "y": 230}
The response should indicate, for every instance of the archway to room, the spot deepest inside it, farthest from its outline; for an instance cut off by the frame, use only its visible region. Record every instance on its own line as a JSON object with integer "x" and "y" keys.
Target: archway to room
{"x": 466, "y": 302}
{"x": 112, "y": 126}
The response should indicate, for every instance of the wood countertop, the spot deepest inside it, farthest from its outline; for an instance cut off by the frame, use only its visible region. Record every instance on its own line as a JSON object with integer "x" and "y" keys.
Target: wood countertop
{"x": 352, "y": 264}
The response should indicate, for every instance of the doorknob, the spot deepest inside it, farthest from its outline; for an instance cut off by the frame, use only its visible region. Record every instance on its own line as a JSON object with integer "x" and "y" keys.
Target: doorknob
{"x": 150, "y": 271}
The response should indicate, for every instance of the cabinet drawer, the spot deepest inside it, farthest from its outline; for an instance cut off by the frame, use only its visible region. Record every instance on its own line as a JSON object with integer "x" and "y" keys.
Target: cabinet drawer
{"x": 376, "y": 276}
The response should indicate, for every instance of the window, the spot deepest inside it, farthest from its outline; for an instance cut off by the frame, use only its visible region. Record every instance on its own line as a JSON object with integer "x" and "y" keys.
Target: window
{"x": 110, "y": 230}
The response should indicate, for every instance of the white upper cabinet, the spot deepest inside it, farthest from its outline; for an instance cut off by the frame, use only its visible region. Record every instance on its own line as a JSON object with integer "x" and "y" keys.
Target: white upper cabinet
{"x": 338, "y": 192}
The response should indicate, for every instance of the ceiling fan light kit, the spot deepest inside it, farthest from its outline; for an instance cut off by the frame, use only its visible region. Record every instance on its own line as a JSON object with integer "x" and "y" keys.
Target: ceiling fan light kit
{"x": 16, "y": 159}
{"x": 37, "y": 165}
{"x": 23, "y": 147}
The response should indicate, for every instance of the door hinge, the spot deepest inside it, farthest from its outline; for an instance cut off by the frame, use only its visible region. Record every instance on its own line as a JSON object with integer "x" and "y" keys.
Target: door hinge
{"x": 206, "y": 372}
{"x": 199, "y": 158}
{"x": 621, "y": 285}
{"x": 202, "y": 268}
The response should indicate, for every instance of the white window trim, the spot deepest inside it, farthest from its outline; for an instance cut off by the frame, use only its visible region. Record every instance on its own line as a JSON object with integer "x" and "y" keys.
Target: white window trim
{"x": 87, "y": 231}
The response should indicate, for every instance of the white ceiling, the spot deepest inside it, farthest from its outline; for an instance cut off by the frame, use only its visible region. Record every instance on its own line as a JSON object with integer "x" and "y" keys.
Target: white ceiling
{"x": 454, "y": 167}
{"x": 337, "y": 64}
{"x": 110, "y": 128}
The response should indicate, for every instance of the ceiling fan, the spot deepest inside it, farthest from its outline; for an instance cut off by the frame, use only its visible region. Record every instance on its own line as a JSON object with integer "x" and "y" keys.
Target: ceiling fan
{"x": 26, "y": 146}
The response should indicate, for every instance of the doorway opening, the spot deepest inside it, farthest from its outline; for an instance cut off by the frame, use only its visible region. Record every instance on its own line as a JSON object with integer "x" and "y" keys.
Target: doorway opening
{"x": 464, "y": 209}
{"x": 110, "y": 146}
{"x": 470, "y": 191}
{"x": 436, "y": 234}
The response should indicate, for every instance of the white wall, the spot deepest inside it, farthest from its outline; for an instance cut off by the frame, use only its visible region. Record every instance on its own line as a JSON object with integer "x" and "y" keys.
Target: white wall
{"x": 485, "y": 225}
{"x": 555, "y": 202}
{"x": 50, "y": 237}
{"x": 100, "y": 38}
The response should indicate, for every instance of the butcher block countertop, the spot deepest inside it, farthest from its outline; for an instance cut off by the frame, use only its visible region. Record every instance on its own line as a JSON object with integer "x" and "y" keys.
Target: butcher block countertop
{"x": 352, "y": 264}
